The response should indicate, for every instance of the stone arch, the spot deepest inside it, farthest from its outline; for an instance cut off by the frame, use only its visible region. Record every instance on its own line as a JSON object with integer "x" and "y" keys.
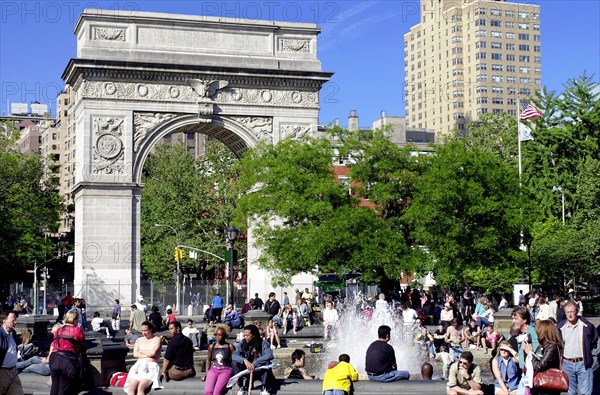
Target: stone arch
{"x": 237, "y": 137}
{"x": 138, "y": 77}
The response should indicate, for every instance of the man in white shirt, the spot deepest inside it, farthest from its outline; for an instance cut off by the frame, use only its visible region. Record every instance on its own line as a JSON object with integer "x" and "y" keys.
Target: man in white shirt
{"x": 141, "y": 305}
{"x": 192, "y": 333}
{"x": 330, "y": 319}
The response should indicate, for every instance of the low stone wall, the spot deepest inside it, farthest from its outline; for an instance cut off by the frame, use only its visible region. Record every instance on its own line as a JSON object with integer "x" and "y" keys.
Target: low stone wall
{"x": 195, "y": 386}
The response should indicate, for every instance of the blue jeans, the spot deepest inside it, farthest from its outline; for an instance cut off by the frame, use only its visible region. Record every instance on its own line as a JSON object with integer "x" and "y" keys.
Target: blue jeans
{"x": 334, "y": 392}
{"x": 580, "y": 378}
{"x": 388, "y": 377}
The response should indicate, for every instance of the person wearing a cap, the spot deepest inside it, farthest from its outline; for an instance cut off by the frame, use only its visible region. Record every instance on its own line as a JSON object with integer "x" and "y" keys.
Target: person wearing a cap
{"x": 141, "y": 305}
{"x": 505, "y": 367}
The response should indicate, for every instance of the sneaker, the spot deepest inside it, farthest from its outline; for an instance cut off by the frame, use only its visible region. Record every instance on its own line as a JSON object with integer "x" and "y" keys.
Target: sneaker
{"x": 278, "y": 346}
{"x": 265, "y": 392}
{"x": 242, "y": 391}
{"x": 272, "y": 347}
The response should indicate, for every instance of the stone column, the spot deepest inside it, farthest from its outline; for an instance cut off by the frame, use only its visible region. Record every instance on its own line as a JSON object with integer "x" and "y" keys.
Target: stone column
{"x": 107, "y": 240}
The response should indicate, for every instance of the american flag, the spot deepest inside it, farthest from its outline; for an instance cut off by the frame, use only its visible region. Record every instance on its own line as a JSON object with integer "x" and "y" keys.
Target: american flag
{"x": 529, "y": 111}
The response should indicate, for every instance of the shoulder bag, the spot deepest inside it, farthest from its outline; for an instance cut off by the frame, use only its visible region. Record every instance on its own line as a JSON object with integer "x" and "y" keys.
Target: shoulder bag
{"x": 552, "y": 379}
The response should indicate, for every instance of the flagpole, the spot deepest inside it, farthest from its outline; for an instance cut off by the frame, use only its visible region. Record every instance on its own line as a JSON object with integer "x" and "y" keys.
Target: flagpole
{"x": 519, "y": 139}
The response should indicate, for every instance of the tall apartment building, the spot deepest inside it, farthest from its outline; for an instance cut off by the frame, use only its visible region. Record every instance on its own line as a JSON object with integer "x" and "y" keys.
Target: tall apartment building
{"x": 470, "y": 57}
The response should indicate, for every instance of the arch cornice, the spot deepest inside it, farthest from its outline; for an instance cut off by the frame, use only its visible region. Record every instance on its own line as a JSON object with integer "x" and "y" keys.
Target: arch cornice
{"x": 236, "y": 136}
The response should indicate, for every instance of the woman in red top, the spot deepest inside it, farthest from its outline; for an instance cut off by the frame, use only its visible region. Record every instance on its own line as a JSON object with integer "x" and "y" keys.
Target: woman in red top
{"x": 69, "y": 338}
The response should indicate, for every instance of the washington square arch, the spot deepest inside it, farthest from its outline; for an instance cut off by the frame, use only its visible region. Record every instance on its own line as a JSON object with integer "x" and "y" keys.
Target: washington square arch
{"x": 140, "y": 76}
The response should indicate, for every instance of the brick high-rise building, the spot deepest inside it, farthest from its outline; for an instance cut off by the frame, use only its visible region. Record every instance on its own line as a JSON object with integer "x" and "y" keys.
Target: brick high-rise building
{"x": 470, "y": 57}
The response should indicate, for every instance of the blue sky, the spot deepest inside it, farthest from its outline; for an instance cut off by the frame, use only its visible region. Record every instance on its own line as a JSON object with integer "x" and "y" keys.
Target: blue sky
{"x": 361, "y": 42}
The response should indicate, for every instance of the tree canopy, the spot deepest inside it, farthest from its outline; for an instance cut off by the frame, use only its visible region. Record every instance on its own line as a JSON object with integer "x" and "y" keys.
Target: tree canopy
{"x": 30, "y": 207}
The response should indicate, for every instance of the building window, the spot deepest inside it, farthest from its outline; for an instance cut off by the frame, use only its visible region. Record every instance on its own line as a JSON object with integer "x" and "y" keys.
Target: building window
{"x": 510, "y": 36}
{"x": 480, "y": 33}
{"x": 496, "y": 34}
{"x": 496, "y": 45}
{"x": 495, "y": 12}
{"x": 482, "y": 77}
{"x": 523, "y": 15}
{"x": 510, "y": 57}
{"x": 482, "y": 100}
{"x": 510, "y": 47}
{"x": 497, "y": 78}
{"x": 480, "y": 44}
{"x": 511, "y": 80}
{"x": 511, "y": 101}
{"x": 524, "y": 26}
{"x": 525, "y": 80}
{"x": 536, "y": 27}
{"x": 480, "y": 22}
{"x": 524, "y": 58}
{"x": 524, "y": 70}
{"x": 495, "y": 23}
{"x": 497, "y": 89}
{"x": 523, "y": 47}
{"x": 510, "y": 25}
{"x": 525, "y": 92}
{"x": 497, "y": 67}
{"x": 536, "y": 37}
{"x": 497, "y": 56}
{"x": 481, "y": 89}
{"x": 481, "y": 66}
{"x": 497, "y": 100}
{"x": 509, "y": 13}
{"x": 480, "y": 55}
{"x": 480, "y": 11}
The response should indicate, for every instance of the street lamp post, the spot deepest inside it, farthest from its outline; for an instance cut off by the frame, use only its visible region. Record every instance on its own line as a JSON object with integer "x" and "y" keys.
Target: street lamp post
{"x": 232, "y": 234}
{"x": 559, "y": 189}
{"x": 178, "y": 274}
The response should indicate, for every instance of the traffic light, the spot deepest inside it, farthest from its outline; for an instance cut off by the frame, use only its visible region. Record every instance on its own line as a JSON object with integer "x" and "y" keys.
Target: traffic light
{"x": 178, "y": 254}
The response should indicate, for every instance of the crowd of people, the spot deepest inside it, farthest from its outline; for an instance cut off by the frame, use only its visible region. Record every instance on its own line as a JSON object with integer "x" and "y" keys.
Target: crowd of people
{"x": 546, "y": 333}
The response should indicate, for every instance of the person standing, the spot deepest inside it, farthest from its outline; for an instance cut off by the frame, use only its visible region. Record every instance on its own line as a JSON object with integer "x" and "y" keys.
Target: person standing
{"x": 10, "y": 383}
{"x": 527, "y": 334}
{"x": 217, "y": 308}
{"x": 116, "y": 316}
{"x": 179, "y": 355}
{"x": 381, "y": 359}
{"x": 70, "y": 339}
{"x": 547, "y": 355}
{"x": 286, "y": 299}
{"x": 141, "y": 306}
{"x": 580, "y": 337}
{"x": 273, "y": 307}
{"x": 136, "y": 319}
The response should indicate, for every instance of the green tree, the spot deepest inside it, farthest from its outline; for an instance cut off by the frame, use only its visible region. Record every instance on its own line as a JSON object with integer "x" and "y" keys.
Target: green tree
{"x": 467, "y": 211}
{"x": 30, "y": 207}
{"x": 304, "y": 221}
{"x": 195, "y": 197}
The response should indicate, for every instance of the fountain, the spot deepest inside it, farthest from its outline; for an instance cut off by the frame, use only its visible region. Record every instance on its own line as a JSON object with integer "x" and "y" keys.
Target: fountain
{"x": 357, "y": 331}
